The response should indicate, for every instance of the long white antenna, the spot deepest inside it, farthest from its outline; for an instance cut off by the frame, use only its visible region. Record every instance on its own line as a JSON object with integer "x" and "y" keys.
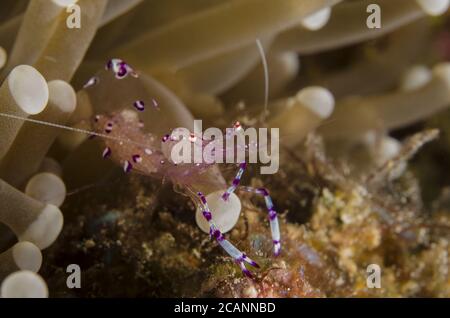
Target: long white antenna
{"x": 266, "y": 74}
{"x": 78, "y": 130}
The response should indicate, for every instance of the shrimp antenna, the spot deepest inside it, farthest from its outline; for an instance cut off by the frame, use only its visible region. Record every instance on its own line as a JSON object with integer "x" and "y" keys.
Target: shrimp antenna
{"x": 78, "y": 130}
{"x": 266, "y": 74}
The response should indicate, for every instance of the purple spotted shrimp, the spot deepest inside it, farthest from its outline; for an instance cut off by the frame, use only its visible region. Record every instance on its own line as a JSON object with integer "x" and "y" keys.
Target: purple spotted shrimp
{"x": 137, "y": 150}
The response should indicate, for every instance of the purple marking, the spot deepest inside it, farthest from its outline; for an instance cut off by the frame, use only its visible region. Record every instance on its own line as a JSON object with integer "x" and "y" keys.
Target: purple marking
{"x": 165, "y": 138}
{"x": 106, "y": 153}
{"x": 263, "y": 191}
{"x": 122, "y": 72}
{"x": 218, "y": 235}
{"x": 120, "y": 68}
{"x": 108, "y": 127}
{"x": 244, "y": 270}
{"x": 235, "y": 182}
{"x": 139, "y": 105}
{"x": 207, "y": 215}
{"x": 127, "y": 166}
{"x": 253, "y": 263}
{"x": 272, "y": 215}
{"x": 248, "y": 260}
{"x": 137, "y": 158}
{"x": 202, "y": 197}
{"x": 247, "y": 273}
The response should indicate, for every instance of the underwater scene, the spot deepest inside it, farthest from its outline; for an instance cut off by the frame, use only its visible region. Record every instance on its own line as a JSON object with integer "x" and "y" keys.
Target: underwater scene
{"x": 224, "y": 149}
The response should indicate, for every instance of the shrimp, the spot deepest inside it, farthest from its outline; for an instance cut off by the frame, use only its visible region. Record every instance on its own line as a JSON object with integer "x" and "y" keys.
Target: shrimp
{"x": 146, "y": 153}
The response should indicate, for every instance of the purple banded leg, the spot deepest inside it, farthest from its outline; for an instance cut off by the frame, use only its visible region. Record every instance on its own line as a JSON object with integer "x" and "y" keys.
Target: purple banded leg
{"x": 236, "y": 181}
{"x": 239, "y": 257}
{"x": 273, "y": 219}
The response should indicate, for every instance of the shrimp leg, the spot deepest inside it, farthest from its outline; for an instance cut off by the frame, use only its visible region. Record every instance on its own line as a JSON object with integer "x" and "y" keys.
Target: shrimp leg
{"x": 239, "y": 257}
{"x": 272, "y": 214}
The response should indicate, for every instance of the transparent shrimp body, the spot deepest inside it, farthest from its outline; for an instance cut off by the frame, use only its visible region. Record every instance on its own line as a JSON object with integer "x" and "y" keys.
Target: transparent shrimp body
{"x": 130, "y": 142}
